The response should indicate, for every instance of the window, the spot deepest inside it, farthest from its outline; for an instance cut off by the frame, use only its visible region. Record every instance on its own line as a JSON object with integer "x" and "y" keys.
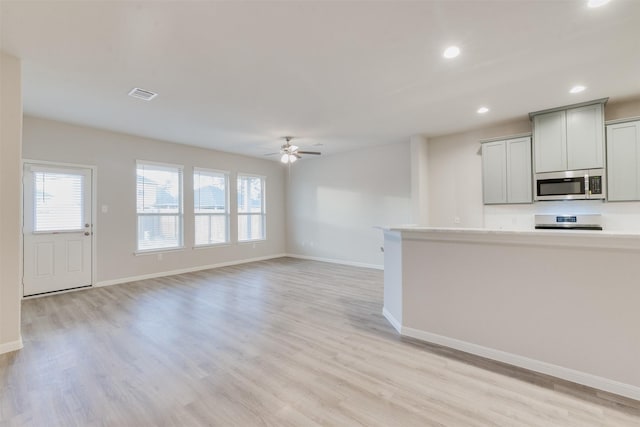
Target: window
{"x": 58, "y": 204}
{"x": 251, "y": 213}
{"x": 159, "y": 206}
{"x": 210, "y": 207}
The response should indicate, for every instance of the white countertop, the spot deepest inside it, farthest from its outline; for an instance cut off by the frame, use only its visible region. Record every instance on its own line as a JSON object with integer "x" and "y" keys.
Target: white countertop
{"x": 570, "y": 238}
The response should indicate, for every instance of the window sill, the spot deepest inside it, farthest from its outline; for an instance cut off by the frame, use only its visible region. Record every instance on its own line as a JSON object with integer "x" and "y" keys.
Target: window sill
{"x": 213, "y": 245}
{"x": 244, "y": 242}
{"x": 157, "y": 251}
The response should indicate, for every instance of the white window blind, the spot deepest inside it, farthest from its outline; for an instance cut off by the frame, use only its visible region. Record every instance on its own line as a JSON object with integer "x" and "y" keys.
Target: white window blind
{"x": 159, "y": 206}
{"x": 251, "y": 208}
{"x": 58, "y": 201}
{"x": 211, "y": 210}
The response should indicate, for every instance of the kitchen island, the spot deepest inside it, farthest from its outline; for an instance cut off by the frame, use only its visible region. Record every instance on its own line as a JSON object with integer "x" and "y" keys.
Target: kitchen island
{"x": 564, "y": 303}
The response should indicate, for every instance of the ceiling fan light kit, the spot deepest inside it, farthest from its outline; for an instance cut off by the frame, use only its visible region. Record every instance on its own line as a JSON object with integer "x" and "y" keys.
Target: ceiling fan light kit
{"x": 288, "y": 158}
{"x": 290, "y": 152}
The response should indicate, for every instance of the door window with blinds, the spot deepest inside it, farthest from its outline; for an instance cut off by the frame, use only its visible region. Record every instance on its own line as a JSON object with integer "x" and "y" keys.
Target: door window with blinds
{"x": 58, "y": 201}
{"x": 251, "y": 208}
{"x": 159, "y": 206}
{"x": 210, "y": 206}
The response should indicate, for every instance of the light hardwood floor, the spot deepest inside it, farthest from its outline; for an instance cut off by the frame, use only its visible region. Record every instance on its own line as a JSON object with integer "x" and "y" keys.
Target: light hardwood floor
{"x": 281, "y": 342}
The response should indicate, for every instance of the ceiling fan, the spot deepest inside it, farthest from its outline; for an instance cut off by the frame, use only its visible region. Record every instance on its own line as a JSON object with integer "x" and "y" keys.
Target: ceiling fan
{"x": 291, "y": 153}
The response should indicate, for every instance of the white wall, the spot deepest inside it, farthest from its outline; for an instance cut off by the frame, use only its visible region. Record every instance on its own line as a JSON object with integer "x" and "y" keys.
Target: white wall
{"x": 10, "y": 210}
{"x": 419, "y": 180}
{"x": 334, "y": 202}
{"x": 617, "y": 217}
{"x": 455, "y": 183}
{"x": 455, "y": 175}
{"x": 115, "y": 156}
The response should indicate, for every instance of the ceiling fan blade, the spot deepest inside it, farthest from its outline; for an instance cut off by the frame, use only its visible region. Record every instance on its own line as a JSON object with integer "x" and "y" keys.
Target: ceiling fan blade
{"x": 309, "y": 152}
{"x": 270, "y": 154}
{"x": 297, "y": 155}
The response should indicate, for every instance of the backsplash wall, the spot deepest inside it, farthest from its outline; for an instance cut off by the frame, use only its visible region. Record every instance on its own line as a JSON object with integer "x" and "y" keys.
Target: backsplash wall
{"x": 617, "y": 217}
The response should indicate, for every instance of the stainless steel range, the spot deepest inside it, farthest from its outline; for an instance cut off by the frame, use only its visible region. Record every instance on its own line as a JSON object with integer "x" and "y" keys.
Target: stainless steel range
{"x": 569, "y": 222}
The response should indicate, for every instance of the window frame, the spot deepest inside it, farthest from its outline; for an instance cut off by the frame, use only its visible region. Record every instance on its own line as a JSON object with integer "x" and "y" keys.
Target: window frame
{"x": 263, "y": 210}
{"x": 179, "y": 215}
{"x": 226, "y": 214}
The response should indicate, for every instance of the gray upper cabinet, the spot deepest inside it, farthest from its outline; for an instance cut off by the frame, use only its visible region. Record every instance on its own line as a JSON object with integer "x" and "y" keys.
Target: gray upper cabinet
{"x": 569, "y": 139}
{"x": 550, "y": 136}
{"x": 506, "y": 171}
{"x": 623, "y": 161}
{"x": 494, "y": 172}
{"x": 519, "y": 170}
{"x": 585, "y": 137}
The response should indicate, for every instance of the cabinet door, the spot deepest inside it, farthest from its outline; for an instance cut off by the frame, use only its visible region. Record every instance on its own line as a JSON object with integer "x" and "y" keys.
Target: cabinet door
{"x": 494, "y": 173}
{"x": 585, "y": 137}
{"x": 623, "y": 161}
{"x": 519, "y": 184}
{"x": 550, "y": 141}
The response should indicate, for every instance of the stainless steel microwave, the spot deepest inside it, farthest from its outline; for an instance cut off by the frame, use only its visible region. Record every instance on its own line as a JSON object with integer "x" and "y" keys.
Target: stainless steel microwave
{"x": 586, "y": 184}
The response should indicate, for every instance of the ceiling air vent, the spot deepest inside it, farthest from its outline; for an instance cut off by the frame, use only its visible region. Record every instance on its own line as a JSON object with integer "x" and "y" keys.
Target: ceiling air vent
{"x": 146, "y": 95}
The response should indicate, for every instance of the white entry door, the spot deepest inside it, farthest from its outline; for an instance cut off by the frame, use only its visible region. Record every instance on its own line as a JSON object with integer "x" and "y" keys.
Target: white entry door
{"x": 57, "y": 228}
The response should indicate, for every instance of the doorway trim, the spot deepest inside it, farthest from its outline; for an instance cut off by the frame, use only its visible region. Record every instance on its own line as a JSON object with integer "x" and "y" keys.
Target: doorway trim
{"x": 94, "y": 220}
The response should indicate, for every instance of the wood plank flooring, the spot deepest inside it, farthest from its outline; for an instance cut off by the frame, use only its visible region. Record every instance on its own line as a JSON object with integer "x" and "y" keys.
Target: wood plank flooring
{"x": 284, "y": 342}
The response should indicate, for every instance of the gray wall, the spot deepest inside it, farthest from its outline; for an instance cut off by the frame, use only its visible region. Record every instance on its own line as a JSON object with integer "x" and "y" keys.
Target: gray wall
{"x": 115, "y": 156}
{"x": 334, "y": 202}
{"x": 10, "y": 208}
{"x": 455, "y": 175}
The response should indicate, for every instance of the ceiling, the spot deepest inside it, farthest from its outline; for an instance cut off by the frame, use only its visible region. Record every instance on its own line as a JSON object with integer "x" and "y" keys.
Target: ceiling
{"x": 235, "y": 76}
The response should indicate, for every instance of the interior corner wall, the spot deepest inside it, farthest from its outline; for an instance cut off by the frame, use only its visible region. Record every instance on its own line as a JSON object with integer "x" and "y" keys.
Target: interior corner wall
{"x": 10, "y": 208}
{"x": 114, "y": 155}
{"x": 419, "y": 180}
{"x": 334, "y": 202}
{"x": 455, "y": 174}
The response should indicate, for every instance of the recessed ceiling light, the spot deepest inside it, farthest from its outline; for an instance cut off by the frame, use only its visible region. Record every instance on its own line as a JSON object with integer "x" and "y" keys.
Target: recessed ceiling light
{"x": 577, "y": 89}
{"x": 451, "y": 52}
{"x": 146, "y": 95}
{"x": 596, "y": 3}
{"x": 483, "y": 110}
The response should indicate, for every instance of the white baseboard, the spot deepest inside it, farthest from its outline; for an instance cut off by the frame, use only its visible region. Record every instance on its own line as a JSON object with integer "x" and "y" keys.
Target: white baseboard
{"x": 394, "y": 322}
{"x": 337, "y": 261}
{"x": 11, "y": 346}
{"x": 183, "y": 270}
{"x": 227, "y": 264}
{"x": 568, "y": 374}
